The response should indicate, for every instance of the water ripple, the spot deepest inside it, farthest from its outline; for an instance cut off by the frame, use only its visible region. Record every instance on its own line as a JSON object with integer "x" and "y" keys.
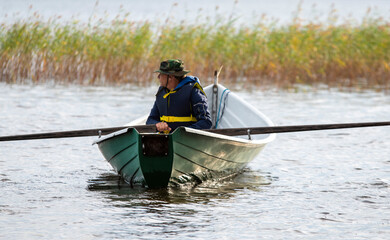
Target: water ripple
{"x": 318, "y": 185}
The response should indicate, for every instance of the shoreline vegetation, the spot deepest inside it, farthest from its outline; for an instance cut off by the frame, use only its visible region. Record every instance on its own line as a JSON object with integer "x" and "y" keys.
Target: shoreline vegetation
{"x": 263, "y": 54}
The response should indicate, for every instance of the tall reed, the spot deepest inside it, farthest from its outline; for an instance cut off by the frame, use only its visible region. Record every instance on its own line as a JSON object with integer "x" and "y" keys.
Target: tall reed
{"x": 267, "y": 54}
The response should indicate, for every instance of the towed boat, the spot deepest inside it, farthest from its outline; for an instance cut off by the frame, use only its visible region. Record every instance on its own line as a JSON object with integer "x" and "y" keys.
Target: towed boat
{"x": 156, "y": 160}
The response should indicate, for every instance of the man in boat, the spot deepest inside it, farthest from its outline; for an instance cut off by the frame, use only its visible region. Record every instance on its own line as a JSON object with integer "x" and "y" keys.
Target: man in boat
{"x": 180, "y": 100}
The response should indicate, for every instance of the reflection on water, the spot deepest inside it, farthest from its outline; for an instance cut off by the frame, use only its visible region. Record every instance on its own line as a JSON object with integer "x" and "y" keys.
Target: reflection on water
{"x": 170, "y": 212}
{"x": 116, "y": 189}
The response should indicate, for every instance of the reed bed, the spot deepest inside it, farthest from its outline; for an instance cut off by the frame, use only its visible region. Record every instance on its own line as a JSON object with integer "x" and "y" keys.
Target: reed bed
{"x": 353, "y": 55}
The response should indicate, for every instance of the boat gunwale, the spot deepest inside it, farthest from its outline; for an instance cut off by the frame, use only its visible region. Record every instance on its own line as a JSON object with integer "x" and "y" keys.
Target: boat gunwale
{"x": 125, "y": 130}
{"x": 266, "y": 140}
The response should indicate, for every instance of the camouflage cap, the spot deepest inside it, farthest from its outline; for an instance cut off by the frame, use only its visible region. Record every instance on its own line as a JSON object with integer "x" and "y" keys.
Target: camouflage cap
{"x": 173, "y": 67}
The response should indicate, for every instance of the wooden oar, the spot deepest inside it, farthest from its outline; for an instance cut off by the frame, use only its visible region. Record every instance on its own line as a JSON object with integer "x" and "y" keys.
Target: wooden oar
{"x": 77, "y": 133}
{"x": 226, "y": 131}
{"x": 296, "y": 128}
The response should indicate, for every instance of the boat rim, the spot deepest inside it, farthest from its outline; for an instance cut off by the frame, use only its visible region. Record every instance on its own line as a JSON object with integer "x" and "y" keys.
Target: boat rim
{"x": 266, "y": 140}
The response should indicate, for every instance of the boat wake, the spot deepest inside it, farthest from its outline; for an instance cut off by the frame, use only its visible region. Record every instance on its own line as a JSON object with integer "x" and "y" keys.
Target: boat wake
{"x": 246, "y": 178}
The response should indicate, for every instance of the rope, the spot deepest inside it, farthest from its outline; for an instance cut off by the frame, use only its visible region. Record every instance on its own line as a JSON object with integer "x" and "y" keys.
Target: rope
{"x": 224, "y": 105}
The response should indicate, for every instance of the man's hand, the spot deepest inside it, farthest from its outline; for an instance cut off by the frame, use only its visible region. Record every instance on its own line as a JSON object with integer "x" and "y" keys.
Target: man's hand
{"x": 163, "y": 127}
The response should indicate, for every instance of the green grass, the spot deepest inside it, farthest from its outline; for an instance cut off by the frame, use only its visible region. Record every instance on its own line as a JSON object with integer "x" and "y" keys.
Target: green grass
{"x": 263, "y": 54}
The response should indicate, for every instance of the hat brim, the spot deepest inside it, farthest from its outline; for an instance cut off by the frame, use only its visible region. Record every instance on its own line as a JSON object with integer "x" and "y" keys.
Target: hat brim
{"x": 178, "y": 74}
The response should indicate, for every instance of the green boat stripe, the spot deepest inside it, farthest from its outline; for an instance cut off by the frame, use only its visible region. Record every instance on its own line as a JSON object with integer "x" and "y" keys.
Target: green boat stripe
{"x": 207, "y": 153}
{"x": 132, "y": 177}
{"x": 192, "y": 162}
{"x": 122, "y": 151}
{"x": 120, "y": 170}
{"x": 180, "y": 171}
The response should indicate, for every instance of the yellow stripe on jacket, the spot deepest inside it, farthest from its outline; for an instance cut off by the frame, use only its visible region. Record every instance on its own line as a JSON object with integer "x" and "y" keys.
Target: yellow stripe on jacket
{"x": 177, "y": 119}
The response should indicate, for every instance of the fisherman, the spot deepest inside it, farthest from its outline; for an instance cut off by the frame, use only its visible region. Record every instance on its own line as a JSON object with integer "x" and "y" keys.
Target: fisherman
{"x": 180, "y": 100}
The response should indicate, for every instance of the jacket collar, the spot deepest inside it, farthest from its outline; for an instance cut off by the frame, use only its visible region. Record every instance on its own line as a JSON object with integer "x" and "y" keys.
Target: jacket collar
{"x": 186, "y": 80}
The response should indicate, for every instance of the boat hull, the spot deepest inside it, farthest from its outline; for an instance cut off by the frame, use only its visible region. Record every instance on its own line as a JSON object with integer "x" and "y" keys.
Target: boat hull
{"x": 155, "y": 160}
{"x": 199, "y": 154}
{"x": 139, "y": 159}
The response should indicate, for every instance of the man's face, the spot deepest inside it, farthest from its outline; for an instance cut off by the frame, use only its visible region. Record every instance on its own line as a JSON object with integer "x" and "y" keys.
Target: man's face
{"x": 163, "y": 78}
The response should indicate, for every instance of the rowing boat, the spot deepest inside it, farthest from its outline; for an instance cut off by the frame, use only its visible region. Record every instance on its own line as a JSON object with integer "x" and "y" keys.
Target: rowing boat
{"x": 186, "y": 155}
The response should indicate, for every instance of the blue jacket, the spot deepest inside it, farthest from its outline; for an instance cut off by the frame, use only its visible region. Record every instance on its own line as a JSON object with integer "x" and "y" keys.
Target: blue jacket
{"x": 185, "y": 101}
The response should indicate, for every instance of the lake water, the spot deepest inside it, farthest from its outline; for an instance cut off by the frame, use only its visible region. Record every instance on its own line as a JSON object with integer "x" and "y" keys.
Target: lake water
{"x": 243, "y": 11}
{"x": 310, "y": 185}
{"x": 313, "y": 185}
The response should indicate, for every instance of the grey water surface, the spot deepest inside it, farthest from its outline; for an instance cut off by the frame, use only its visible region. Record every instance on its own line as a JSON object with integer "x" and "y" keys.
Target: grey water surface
{"x": 240, "y": 11}
{"x": 313, "y": 185}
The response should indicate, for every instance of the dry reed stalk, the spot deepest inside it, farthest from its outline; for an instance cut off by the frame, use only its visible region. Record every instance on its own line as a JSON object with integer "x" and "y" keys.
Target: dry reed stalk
{"x": 343, "y": 56}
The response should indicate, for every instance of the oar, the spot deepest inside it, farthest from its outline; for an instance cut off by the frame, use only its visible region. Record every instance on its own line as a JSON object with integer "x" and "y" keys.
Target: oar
{"x": 77, "y": 133}
{"x": 296, "y": 128}
{"x": 226, "y": 131}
